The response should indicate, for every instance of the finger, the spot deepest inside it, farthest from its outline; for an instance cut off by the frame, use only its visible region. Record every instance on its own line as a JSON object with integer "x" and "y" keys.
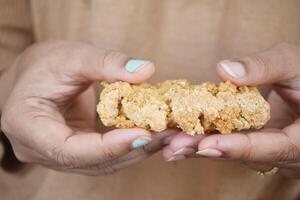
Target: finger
{"x": 84, "y": 62}
{"x": 168, "y": 154}
{"x": 114, "y": 166}
{"x": 69, "y": 149}
{"x": 182, "y": 144}
{"x": 86, "y": 149}
{"x": 133, "y": 157}
{"x": 158, "y": 140}
{"x": 72, "y": 66}
{"x": 274, "y": 65}
{"x": 103, "y": 169}
{"x": 268, "y": 147}
{"x": 183, "y": 140}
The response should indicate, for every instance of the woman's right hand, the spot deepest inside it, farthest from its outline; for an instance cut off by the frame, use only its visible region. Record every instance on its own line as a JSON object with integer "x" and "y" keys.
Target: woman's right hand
{"x": 49, "y": 116}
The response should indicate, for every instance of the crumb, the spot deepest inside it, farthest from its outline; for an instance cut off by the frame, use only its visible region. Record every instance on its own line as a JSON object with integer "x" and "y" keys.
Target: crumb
{"x": 196, "y": 109}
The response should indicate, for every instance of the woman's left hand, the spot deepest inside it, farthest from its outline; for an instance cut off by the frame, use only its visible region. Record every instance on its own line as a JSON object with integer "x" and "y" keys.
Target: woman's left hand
{"x": 278, "y": 145}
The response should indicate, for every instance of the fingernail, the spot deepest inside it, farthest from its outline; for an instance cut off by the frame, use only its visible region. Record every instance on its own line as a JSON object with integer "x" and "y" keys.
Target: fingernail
{"x": 133, "y": 65}
{"x": 210, "y": 152}
{"x": 184, "y": 151}
{"x": 175, "y": 158}
{"x": 140, "y": 142}
{"x": 234, "y": 69}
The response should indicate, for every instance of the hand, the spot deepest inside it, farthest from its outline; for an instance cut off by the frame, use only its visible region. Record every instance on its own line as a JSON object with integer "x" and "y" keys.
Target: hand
{"x": 49, "y": 116}
{"x": 275, "y": 146}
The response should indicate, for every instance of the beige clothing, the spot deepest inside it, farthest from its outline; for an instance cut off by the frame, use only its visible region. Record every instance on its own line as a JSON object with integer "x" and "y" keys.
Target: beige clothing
{"x": 185, "y": 39}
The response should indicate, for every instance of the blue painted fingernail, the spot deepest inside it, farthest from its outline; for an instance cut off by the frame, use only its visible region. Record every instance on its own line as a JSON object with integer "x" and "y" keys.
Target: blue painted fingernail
{"x": 133, "y": 65}
{"x": 140, "y": 142}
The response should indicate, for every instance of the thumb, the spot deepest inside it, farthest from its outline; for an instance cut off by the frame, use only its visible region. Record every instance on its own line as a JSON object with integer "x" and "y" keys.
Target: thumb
{"x": 279, "y": 64}
{"x": 87, "y": 63}
{"x": 60, "y": 70}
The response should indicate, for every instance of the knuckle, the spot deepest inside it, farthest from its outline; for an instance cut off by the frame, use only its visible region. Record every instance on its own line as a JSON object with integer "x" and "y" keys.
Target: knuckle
{"x": 256, "y": 60}
{"x": 108, "y": 170}
{"x": 247, "y": 153}
{"x": 110, "y": 61}
{"x": 112, "y": 57}
{"x": 289, "y": 153}
{"x": 278, "y": 62}
{"x": 108, "y": 56}
{"x": 292, "y": 153}
{"x": 259, "y": 64}
{"x": 148, "y": 149}
{"x": 281, "y": 155}
{"x": 61, "y": 158}
{"x": 108, "y": 153}
{"x": 105, "y": 167}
